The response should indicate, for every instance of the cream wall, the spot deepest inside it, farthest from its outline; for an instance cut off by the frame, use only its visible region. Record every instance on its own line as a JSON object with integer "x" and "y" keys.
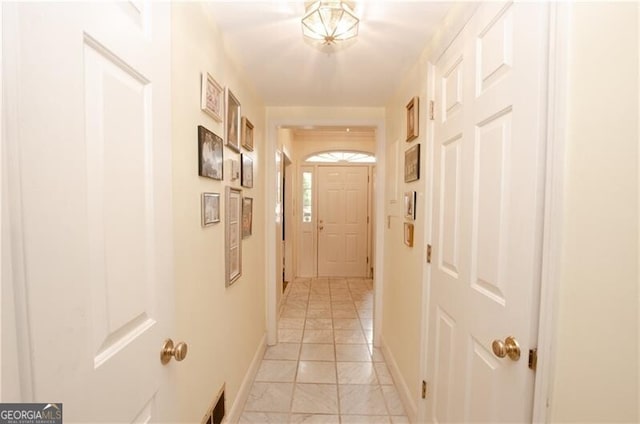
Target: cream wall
{"x": 224, "y": 327}
{"x": 402, "y": 302}
{"x": 596, "y": 370}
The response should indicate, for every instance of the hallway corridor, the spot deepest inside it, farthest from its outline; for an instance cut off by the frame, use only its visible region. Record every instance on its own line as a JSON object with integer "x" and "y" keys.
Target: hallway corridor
{"x": 324, "y": 368}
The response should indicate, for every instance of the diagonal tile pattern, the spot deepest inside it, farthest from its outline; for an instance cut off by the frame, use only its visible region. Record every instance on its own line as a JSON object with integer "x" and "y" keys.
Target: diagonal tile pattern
{"x": 324, "y": 368}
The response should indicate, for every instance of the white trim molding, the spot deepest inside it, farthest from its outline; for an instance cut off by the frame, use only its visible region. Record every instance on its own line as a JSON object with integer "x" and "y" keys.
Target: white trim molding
{"x": 245, "y": 387}
{"x": 17, "y": 381}
{"x": 559, "y": 31}
{"x": 408, "y": 402}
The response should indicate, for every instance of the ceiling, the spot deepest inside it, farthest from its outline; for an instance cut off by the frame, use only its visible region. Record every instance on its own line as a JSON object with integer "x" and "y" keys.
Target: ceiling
{"x": 264, "y": 39}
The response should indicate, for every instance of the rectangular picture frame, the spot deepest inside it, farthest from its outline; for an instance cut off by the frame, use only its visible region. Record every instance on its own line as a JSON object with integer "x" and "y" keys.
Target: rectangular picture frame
{"x": 413, "y": 118}
{"x": 410, "y": 205}
{"x": 408, "y": 234}
{"x": 232, "y": 122}
{"x": 247, "y": 216}
{"x": 412, "y": 164}
{"x": 210, "y": 154}
{"x": 210, "y": 208}
{"x": 233, "y": 235}
{"x": 246, "y": 171}
{"x": 211, "y": 97}
{"x": 247, "y": 134}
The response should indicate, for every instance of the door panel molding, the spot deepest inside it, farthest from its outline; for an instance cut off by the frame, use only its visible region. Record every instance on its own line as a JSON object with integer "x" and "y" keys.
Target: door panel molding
{"x": 69, "y": 254}
{"x": 475, "y": 89}
{"x": 343, "y": 208}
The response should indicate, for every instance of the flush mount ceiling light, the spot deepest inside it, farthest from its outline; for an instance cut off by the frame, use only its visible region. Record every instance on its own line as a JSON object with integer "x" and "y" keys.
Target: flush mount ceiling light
{"x": 330, "y": 21}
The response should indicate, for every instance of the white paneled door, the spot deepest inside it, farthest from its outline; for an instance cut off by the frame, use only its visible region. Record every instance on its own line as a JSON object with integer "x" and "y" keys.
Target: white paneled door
{"x": 487, "y": 216}
{"x": 88, "y": 116}
{"x": 342, "y": 221}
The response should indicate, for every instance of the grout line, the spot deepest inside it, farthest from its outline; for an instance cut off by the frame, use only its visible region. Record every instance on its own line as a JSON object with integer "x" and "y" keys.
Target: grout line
{"x": 369, "y": 346}
{"x": 335, "y": 355}
{"x": 304, "y": 329}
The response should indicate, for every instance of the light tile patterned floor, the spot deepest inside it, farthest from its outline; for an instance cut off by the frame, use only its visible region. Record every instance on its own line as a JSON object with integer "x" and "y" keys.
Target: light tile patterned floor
{"x": 324, "y": 368}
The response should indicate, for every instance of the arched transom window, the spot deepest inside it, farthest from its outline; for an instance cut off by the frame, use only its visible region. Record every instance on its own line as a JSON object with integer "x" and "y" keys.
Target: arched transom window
{"x": 341, "y": 156}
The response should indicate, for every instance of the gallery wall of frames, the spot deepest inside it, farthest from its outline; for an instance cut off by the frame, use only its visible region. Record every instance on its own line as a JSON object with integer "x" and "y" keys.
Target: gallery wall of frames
{"x": 223, "y": 106}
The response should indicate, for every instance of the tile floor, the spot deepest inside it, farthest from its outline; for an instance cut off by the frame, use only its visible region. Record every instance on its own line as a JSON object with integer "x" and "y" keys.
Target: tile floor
{"x": 324, "y": 368}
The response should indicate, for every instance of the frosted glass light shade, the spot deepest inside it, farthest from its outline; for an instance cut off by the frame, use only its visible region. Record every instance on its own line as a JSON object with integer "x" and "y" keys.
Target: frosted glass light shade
{"x": 329, "y": 21}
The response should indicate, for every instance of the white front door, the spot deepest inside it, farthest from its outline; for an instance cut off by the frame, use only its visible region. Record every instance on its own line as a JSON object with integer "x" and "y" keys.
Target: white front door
{"x": 342, "y": 221}
{"x": 487, "y": 215}
{"x": 88, "y": 117}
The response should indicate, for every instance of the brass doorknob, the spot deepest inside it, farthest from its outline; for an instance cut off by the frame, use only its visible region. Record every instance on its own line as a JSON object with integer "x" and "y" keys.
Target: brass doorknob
{"x": 168, "y": 351}
{"x": 509, "y": 347}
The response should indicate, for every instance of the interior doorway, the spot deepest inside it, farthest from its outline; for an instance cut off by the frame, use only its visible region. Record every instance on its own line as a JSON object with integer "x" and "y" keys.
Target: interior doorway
{"x": 334, "y": 133}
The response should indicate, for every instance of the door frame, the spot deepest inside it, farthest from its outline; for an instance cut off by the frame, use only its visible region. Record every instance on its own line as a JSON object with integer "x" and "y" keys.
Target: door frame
{"x": 559, "y": 30}
{"x": 15, "y": 366}
{"x": 287, "y": 216}
{"x": 270, "y": 235}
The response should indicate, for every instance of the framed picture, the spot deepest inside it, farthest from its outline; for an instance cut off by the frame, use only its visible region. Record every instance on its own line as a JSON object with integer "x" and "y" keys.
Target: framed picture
{"x": 232, "y": 123}
{"x": 408, "y": 234}
{"x": 210, "y": 157}
{"x": 247, "y": 216}
{"x": 246, "y": 173}
{"x": 412, "y": 164}
{"x": 247, "y": 134}
{"x": 210, "y": 208}
{"x": 233, "y": 245}
{"x": 413, "y": 118}
{"x": 234, "y": 168}
{"x": 410, "y": 205}
{"x": 212, "y": 97}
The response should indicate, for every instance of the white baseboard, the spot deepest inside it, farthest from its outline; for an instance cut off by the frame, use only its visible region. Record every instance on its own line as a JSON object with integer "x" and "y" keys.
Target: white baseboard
{"x": 243, "y": 393}
{"x": 401, "y": 385}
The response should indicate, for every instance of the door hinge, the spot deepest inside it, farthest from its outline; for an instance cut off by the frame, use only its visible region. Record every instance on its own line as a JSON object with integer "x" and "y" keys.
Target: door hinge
{"x": 367, "y": 259}
{"x": 367, "y": 220}
{"x": 424, "y": 389}
{"x": 432, "y": 108}
{"x": 533, "y": 359}
{"x": 428, "y": 253}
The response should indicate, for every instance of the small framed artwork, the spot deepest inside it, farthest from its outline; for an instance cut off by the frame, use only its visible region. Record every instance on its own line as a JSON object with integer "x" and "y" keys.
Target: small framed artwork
{"x": 246, "y": 171}
{"x": 413, "y": 118}
{"x": 247, "y": 134}
{"x": 412, "y": 164}
{"x": 210, "y": 156}
{"x": 210, "y": 208}
{"x": 234, "y": 168}
{"x": 408, "y": 234}
{"x": 410, "y": 205}
{"x": 247, "y": 216}
{"x": 233, "y": 245}
{"x": 212, "y": 97}
{"x": 232, "y": 124}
